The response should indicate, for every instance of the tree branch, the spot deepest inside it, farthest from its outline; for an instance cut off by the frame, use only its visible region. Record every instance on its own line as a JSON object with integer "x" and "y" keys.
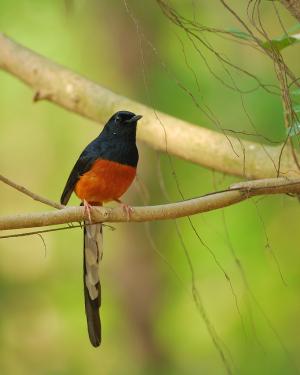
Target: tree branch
{"x": 293, "y": 6}
{"x": 209, "y": 202}
{"x": 193, "y": 143}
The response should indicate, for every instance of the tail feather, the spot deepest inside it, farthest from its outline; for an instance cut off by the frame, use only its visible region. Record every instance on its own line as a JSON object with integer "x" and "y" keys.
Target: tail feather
{"x": 92, "y": 289}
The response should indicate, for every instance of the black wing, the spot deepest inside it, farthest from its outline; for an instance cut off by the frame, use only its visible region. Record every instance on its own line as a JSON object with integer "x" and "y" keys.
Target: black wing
{"x": 82, "y": 165}
{"x": 89, "y": 155}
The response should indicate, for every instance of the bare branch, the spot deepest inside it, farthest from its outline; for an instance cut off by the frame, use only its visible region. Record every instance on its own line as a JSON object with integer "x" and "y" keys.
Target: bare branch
{"x": 210, "y": 149}
{"x": 30, "y": 194}
{"x": 209, "y": 202}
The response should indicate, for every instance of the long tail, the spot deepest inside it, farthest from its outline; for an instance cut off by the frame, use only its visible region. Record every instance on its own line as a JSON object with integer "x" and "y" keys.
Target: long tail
{"x": 92, "y": 254}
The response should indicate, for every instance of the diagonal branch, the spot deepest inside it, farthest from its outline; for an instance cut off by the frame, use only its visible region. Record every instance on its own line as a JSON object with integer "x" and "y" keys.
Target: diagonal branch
{"x": 209, "y": 202}
{"x": 193, "y": 143}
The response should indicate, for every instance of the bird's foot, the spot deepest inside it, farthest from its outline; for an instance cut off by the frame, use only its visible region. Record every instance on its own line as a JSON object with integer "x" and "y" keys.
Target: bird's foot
{"x": 87, "y": 210}
{"x": 128, "y": 210}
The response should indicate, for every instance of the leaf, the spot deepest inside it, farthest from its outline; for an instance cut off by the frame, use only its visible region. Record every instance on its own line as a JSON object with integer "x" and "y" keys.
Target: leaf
{"x": 282, "y": 42}
{"x": 239, "y": 34}
{"x": 293, "y": 130}
{"x": 279, "y": 43}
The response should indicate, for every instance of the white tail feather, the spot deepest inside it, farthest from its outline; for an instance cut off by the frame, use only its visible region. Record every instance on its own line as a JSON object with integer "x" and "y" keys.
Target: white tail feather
{"x": 93, "y": 254}
{"x": 93, "y": 245}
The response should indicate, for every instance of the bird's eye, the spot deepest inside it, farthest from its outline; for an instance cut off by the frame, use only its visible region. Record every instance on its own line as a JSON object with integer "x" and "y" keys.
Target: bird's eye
{"x": 117, "y": 119}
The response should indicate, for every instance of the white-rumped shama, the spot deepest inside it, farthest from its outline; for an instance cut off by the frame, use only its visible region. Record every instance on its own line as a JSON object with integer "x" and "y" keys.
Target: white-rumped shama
{"x": 103, "y": 172}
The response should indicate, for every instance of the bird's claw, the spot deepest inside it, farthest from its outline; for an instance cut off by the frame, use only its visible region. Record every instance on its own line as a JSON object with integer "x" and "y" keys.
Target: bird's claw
{"x": 87, "y": 210}
{"x": 128, "y": 210}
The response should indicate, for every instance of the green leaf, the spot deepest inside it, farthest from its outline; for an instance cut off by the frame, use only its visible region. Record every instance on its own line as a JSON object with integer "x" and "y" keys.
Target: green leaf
{"x": 279, "y": 43}
{"x": 282, "y": 42}
{"x": 293, "y": 130}
{"x": 239, "y": 34}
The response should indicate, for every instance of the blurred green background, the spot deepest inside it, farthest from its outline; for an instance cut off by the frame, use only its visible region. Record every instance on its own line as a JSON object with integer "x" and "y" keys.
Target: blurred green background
{"x": 150, "y": 321}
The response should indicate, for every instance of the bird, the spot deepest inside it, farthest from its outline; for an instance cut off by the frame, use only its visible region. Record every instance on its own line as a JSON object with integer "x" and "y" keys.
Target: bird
{"x": 103, "y": 172}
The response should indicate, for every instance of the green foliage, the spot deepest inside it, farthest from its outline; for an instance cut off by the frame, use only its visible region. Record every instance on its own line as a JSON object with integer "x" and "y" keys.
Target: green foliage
{"x": 286, "y": 40}
{"x": 279, "y": 43}
{"x": 282, "y": 42}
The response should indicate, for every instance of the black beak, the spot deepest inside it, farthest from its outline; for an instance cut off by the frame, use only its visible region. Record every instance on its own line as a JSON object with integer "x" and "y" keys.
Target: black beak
{"x": 135, "y": 118}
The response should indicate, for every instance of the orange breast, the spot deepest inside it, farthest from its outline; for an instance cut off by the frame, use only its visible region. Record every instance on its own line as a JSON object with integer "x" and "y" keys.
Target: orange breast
{"x": 105, "y": 181}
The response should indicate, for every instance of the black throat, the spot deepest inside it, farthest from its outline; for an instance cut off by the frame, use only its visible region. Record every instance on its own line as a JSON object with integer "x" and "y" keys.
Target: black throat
{"x": 119, "y": 147}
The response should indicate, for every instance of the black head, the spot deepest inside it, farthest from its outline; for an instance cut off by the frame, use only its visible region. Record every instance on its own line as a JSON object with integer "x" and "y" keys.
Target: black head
{"x": 122, "y": 123}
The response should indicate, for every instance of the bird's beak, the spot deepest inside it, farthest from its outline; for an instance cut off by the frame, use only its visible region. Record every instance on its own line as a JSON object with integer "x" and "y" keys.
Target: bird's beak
{"x": 135, "y": 118}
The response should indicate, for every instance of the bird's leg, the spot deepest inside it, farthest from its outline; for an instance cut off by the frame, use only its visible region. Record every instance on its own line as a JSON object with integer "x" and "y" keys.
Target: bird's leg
{"x": 128, "y": 210}
{"x": 87, "y": 209}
